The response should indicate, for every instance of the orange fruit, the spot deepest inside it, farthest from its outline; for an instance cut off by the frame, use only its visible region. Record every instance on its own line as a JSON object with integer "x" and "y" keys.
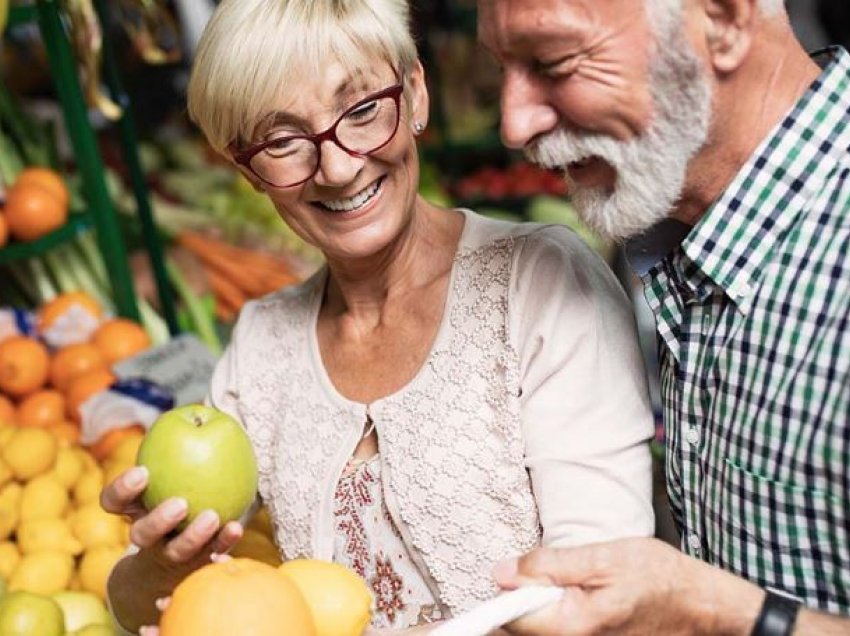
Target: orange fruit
{"x": 83, "y": 387}
{"x": 240, "y": 596}
{"x": 24, "y": 364}
{"x": 45, "y": 178}
{"x": 119, "y": 338}
{"x": 42, "y": 408}
{"x": 68, "y": 433}
{"x": 4, "y": 231}
{"x": 72, "y": 361}
{"x": 33, "y": 211}
{"x": 53, "y": 309}
{"x": 7, "y": 410}
{"x": 103, "y": 448}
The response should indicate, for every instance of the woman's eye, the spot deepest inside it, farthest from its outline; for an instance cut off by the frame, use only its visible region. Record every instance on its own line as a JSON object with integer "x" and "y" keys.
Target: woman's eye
{"x": 363, "y": 111}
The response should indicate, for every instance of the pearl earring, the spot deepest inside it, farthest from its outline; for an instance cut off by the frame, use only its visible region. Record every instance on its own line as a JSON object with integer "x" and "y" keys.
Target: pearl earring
{"x": 418, "y": 127}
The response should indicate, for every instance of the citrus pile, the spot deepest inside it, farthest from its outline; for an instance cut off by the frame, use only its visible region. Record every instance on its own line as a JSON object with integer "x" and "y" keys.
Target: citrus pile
{"x": 54, "y": 536}
{"x": 44, "y": 386}
{"x": 304, "y": 597}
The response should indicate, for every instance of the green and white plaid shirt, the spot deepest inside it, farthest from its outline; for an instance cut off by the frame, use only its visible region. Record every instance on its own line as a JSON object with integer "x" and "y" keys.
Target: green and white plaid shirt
{"x": 753, "y": 319}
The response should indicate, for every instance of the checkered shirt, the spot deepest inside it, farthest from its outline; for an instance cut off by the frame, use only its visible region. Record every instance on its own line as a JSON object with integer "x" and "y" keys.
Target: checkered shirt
{"x": 753, "y": 319}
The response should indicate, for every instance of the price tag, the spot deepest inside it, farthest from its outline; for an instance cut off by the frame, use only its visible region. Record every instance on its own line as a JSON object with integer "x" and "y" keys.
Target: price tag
{"x": 183, "y": 365}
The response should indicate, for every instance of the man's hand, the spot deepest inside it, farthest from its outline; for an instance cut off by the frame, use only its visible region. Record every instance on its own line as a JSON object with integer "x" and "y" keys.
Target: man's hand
{"x": 633, "y": 586}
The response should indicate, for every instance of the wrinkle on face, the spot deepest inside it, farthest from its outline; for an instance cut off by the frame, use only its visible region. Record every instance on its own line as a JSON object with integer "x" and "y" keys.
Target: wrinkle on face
{"x": 601, "y": 83}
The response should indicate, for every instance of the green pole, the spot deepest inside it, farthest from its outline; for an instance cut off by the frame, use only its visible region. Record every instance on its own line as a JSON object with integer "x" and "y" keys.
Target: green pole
{"x": 130, "y": 149}
{"x": 89, "y": 163}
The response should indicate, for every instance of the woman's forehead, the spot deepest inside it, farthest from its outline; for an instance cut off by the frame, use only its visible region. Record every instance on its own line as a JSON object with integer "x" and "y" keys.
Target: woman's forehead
{"x": 334, "y": 87}
{"x": 311, "y": 96}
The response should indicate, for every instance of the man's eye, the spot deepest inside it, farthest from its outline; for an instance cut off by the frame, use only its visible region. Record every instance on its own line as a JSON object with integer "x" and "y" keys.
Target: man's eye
{"x": 554, "y": 68}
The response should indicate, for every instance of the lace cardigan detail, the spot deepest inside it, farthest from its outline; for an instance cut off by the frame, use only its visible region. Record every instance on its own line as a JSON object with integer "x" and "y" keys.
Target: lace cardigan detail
{"x": 451, "y": 441}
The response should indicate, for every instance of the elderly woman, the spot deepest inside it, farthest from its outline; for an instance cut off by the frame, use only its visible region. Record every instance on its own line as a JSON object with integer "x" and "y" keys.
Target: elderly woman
{"x": 447, "y": 390}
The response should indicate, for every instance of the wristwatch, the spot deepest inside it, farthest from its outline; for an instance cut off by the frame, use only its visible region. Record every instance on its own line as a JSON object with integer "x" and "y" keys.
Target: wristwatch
{"x": 777, "y": 616}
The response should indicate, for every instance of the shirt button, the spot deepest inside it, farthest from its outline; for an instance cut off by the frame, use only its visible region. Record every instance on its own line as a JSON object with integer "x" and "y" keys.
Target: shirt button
{"x": 694, "y": 542}
{"x": 692, "y": 436}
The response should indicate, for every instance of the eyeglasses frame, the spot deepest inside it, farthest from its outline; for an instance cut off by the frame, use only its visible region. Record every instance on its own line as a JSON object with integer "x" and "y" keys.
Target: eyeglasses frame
{"x": 244, "y": 157}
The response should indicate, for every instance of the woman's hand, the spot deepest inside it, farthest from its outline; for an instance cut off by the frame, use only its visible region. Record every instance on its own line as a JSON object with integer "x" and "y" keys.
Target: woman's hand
{"x": 165, "y": 556}
{"x": 154, "y": 530}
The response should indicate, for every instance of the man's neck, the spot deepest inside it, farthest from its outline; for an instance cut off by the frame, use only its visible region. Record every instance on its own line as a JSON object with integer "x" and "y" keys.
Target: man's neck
{"x": 749, "y": 104}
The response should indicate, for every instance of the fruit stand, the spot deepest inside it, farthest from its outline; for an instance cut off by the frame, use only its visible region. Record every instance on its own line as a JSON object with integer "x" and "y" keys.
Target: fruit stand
{"x": 125, "y": 259}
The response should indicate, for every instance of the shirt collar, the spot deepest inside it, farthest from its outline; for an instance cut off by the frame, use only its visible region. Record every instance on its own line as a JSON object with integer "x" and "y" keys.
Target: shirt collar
{"x": 734, "y": 240}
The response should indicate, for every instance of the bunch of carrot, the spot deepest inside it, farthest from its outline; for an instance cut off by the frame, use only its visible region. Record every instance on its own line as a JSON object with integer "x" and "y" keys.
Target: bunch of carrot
{"x": 235, "y": 274}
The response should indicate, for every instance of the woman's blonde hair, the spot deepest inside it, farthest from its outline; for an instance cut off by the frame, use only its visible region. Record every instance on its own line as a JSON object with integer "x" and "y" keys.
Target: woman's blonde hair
{"x": 254, "y": 51}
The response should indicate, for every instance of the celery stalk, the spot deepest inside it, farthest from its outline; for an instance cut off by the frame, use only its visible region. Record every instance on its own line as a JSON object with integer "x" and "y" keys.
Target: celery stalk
{"x": 153, "y": 323}
{"x": 88, "y": 247}
{"x": 41, "y": 278}
{"x": 201, "y": 318}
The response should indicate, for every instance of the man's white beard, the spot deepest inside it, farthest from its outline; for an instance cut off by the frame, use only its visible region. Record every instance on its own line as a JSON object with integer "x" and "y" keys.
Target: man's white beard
{"x": 650, "y": 169}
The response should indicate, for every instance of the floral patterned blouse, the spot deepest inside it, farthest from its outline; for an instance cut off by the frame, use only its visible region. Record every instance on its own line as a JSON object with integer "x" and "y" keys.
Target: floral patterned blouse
{"x": 368, "y": 542}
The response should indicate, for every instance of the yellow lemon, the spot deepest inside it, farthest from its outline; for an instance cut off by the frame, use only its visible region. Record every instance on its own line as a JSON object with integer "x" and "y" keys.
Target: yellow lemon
{"x": 9, "y": 558}
{"x": 5, "y": 473}
{"x": 113, "y": 468}
{"x": 127, "y": 449}
{"x": 88, "y": 486}
{"x": 257, "y": 546}
{"x": 86, "y": 457}
{"x": 262, "y": 523}
{"x": 339, "y": 600}
{"x": 51, "y": 535}
{"x": 24, "y": 613}
{"x": 81, "y": 609}
{"x": 43, "y": 572}
{"x": 44, "y": 497}
{"x": 29, "y": 452}
{"x": 10, "y": 497}
{"x": 6, "y": 433}
{"x": 95, "y": 567}
{"x": 11, "y": 493}
{"x": 93, "y": 526}
{"x": 68, "y": 467}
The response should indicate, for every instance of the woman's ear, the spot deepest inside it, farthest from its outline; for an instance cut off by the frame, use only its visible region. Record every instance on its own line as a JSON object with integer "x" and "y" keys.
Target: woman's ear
{"x": 729, "y": 30}
{"x": 419, "y": 100}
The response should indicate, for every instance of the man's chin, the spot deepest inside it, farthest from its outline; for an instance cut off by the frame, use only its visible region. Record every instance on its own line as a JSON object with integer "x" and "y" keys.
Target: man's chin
{"x": 602, "y": 214}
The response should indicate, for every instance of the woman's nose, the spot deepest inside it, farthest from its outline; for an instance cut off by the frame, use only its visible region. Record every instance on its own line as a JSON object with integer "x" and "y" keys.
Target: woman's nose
{"x": 336, "y": 166}
{"x": 526, "y": 113}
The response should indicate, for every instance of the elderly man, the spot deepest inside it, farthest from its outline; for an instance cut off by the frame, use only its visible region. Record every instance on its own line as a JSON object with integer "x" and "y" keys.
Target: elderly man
{"x": 711, "y": 113}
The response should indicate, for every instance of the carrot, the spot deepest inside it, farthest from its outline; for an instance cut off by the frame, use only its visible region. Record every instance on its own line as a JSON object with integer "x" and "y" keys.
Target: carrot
{"x": 259, "y": 261}
{"x": 224, "y": 313}
{"x": 226, "y": 291}
{"x": 232, "y": 269}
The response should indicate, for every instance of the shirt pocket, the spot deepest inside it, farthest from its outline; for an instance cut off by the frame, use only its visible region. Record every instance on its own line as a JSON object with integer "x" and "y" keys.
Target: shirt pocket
{"x": 772, "y": 531}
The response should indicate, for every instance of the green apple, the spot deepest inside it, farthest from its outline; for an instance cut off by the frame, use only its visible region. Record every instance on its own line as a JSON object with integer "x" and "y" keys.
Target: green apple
{"x": 28, "y": 614}
{"x": 202, "y": 455}
{"x": 81, "y": 609}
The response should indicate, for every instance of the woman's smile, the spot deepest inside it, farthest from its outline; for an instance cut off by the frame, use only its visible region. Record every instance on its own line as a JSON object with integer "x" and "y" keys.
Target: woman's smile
{"x": 354, "y": 205}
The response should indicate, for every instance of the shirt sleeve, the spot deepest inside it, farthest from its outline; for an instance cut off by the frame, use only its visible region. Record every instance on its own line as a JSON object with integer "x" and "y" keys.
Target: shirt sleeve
{"x": 586, "y": 415}
{"x": 223, "y": 391}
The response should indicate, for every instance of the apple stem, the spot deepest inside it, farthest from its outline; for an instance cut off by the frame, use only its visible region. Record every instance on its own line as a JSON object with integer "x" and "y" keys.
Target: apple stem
{"x": 199, "y": 421}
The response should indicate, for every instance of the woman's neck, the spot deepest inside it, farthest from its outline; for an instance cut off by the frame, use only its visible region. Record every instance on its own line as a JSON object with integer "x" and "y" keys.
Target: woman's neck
{"x": 422, "y": 253}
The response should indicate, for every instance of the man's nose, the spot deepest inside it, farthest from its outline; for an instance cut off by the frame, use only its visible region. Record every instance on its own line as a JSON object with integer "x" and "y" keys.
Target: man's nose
{"x": 336, "y": 166}
{"x": 526, "y": 112}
